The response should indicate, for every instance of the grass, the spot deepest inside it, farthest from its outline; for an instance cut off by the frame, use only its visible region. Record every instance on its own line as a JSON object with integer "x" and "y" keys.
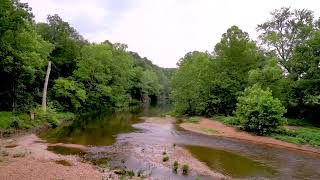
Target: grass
{"x": 209, "y": 131}
{"x": 192, "y": 120}
{"x": 300, "y": 122}
{"x": 307, "y": 132}
{"x": 131, "y": 173}
{"x": 304, "y": 135}
{"x": 10, "y": 121}
{"x": 229, "y": 120}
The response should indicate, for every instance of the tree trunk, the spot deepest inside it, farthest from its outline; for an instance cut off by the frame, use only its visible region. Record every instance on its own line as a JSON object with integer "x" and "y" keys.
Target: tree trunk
{"x": 45, "y": 87}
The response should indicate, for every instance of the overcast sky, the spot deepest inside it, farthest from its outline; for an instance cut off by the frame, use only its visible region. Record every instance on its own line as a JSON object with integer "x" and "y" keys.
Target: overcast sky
{"x": 163, "y": 30}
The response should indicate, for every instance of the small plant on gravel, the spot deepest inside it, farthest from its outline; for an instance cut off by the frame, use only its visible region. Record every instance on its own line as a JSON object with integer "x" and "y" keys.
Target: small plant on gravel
{"x": 131, "y": 173}
{"x": 185, "y": 169}
{"x": 175, "y": 166}
{"x": 120, "y": 171}
{"x": 165, "y": 158}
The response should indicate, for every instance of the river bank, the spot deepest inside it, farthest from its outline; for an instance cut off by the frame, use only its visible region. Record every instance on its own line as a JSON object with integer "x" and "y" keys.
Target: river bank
{"x": 27, "y": 157}
{"x": 111, "y": 147}
{"x": 216, "y": 128}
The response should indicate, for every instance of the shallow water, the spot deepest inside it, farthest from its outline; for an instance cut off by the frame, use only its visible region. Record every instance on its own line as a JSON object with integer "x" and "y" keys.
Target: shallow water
{"x": 96, "y": 131}
{"x": 234, "y": 158}
{"x": 230, "y": 164}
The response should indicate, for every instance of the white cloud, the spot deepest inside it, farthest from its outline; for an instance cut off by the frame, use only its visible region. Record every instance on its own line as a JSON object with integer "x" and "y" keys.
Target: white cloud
{"x": 165, "y": 30}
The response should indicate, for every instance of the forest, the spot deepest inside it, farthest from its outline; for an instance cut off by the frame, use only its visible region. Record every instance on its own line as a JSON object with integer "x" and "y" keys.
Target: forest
{"x": 256, "y": 83}
{"x": 84, "y": 76}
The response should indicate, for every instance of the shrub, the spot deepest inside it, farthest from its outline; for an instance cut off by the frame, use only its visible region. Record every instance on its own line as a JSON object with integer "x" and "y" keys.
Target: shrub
{"x": 185, "y": 169}
{"x": 258, "y": 111}
{"x": 175, "y": 166}
{"x": 131, "y": 173}
{"x": 165, "y": 158}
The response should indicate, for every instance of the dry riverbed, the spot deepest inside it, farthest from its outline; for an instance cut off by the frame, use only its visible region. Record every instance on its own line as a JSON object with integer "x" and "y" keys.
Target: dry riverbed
{"x": 216, "y": 128}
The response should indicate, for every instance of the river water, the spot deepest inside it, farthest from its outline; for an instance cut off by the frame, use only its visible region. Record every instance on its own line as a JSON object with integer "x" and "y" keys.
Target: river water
{"x": 121, "y": 133}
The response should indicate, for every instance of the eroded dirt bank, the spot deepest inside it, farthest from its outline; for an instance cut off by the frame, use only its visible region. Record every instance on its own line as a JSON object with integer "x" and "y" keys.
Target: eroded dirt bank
{"x": 216, "y": 128}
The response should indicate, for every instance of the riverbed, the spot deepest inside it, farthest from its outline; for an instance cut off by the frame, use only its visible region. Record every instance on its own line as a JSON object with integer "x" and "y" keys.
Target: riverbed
{"x": 138, "y": 142}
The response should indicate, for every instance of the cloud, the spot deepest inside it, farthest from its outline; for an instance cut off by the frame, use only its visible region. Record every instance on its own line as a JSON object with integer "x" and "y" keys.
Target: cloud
{"x": 165, "y": 30}
{"x": 72, "y": 11}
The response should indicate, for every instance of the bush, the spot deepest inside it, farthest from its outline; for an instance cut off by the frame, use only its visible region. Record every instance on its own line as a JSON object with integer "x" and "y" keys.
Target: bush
{"x": 175, "y": 166}
{"x": 258, "y": 111}
{"x": 165, "y": 158}
{"x": 185, "y": 169}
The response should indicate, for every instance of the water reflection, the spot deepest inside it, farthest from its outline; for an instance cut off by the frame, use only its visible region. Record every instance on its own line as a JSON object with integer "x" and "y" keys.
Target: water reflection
{"x": 89, "y": 130}
{"x": 229, "y": 163}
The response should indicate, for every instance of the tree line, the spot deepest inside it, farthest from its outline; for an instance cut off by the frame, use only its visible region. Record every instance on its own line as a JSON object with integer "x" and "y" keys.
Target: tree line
{"x": 84, "y": 76}
{"x": 256, "y": 81}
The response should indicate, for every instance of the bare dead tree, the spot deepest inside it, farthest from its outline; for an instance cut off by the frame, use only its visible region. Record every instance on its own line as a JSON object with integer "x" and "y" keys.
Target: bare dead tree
{"x": 45, "y": 88}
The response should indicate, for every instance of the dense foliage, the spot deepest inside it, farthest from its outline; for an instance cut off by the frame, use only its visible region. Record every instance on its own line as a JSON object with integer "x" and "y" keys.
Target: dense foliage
{"x": 208, "y": 84}
{"x": 258, "y": 111}
{"x": 84, "y": 76}
{"x": 285, "y": 65}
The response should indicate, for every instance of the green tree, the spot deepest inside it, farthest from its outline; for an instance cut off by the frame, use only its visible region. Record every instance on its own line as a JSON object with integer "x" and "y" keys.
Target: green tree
{"x": 71, "y": 95}
{"x": 23, "y": 56}
{"x": 235, "y": 56}
{"x": 188, "y": 83}
{"x": 67, "y": 45}
{"x": 271, "y": 76}
{"x": 287, "y": 29}
{"x": 304, "y": 92}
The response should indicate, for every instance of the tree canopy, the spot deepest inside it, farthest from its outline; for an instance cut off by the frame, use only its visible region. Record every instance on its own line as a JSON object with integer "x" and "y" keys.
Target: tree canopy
{"x": 85, "y": 76}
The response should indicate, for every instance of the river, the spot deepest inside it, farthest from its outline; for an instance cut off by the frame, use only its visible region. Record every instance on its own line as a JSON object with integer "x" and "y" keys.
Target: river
{"x": 121, "y": 139}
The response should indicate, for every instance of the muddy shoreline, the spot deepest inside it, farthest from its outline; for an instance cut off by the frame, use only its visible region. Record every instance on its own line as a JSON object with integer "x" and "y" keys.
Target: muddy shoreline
{"x": 218, "y": 129}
